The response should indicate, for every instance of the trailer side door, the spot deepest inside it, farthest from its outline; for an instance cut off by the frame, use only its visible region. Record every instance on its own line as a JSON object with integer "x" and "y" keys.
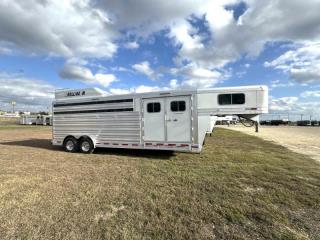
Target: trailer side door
{"x": 153, "y": 121}
{"x": 178, "y": 119}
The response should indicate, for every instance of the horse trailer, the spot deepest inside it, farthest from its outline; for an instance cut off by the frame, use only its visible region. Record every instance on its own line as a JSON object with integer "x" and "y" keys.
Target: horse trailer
{"x": 36, "y": 120}
{"x": 28, "y": 119}
{"x": 175, "y": 120}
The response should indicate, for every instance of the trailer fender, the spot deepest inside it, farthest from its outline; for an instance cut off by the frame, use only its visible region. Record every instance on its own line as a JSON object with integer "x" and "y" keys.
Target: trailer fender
{"x": 93, "y": 139}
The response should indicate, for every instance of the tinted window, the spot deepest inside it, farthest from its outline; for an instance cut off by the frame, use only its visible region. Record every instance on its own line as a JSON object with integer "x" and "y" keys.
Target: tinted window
{"x": 228, "y": 99}
{"x": 224, "y": 99}
{"x": 156, "y": 107}
{"x": 238, "y": 98}
{"x": 178, "y": 106}
{"x": 153, "y": 107}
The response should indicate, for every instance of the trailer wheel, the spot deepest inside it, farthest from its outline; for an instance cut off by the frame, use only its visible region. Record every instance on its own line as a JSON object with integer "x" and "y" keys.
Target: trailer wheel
{"x": 86, "y": 145}
{"x": 71, "y": 144}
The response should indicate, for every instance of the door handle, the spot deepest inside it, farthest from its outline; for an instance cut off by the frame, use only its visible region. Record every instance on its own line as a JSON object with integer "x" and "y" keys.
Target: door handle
{"x": 175, "y": 120}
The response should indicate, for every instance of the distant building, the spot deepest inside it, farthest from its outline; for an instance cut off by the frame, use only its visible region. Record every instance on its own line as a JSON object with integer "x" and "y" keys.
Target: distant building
{"x": 11, "y": 115}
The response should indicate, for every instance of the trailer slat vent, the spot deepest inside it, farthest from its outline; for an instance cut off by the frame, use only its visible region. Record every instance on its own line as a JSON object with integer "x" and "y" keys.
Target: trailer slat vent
{"x": 92, "y": 103}
{"x": 96, "y": 111}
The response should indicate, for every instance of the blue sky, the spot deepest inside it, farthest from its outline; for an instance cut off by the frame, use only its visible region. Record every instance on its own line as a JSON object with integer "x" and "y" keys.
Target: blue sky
{"x": 138, "y": 46}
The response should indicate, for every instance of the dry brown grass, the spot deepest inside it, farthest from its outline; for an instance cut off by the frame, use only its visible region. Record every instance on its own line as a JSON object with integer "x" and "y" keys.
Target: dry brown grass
{"x": 8, "y": 121}
{"x": 299, "y": 139}
{"x": 239, "y": 187}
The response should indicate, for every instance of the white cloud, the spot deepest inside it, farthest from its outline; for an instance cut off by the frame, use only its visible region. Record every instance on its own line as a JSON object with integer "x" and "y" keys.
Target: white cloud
{"x": 197, "y": 77}
{"x": 294, "y": 106}
{"x": 63, "y": 28}
{"x": 121, "y": 69}
{"x": 28, "y": 93}
{"x": 144, "y": 68}
{"x": 119, "y": 91}
{"x": 263, "y": 22}
{"x": 143, "y": 89}
{"x": 131, "y": 45}
{"x": 137, "y": 89}
{"x": 144, "y": 17}
{"x": 90, "y": 28}
{"x": 84, "y": 29}
{"x": 279, "y": 84}
{"x": 76, "y": 72}
{"x": 283, "y": 103}
{"x": 302, "y": 64}
{"x": 306, "y": 94}
{"x": 5, "y": 50}
{"x": 269, "y": 21}
{"x": 173, "y": 83}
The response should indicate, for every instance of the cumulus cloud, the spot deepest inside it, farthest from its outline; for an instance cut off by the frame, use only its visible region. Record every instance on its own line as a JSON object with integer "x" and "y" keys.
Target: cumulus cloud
{"x": 279, "y": 84}
{"x": 61, "y": 28}
{"x": 283, "y": 103}
{"x": 137, "y": 89}
{"x": 268, "y": 21}
{"x": 29, "y": 94}
{"x": 131, "y": 45}
{"x": 302, "y": 64}
{"x": 294, "y": 105}
{"x": 306, "y": 94}
{"x": 87, "y": 29}
{"x": 144, "y": 68}
{"x": 263, "y": 22}
{"x": 84, "y": 74}
{"x": 197, "y": 77}
{"x": 144, "y": 17}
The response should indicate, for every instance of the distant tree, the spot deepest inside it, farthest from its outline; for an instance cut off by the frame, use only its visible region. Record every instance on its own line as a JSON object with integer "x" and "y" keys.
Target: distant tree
{"x": 43, "y": 113}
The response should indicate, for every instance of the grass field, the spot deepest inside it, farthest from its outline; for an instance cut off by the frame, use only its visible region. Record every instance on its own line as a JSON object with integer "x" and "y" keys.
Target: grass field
{"x": 239, "y": 187}
{"x": 8, "y": 121}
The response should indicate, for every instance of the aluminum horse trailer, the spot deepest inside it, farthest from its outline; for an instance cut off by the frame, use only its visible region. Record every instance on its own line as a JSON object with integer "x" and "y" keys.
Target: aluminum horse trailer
{"x": 28, "y": 119}
{"x": 175, "y": 120}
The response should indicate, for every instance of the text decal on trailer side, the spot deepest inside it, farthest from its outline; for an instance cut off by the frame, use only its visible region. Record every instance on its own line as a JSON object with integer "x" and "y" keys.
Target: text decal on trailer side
{"x": 173, "y": 120}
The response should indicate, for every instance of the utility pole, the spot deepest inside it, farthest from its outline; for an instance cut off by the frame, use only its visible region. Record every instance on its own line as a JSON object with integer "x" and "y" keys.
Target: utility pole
{"x": 13, "y": 103}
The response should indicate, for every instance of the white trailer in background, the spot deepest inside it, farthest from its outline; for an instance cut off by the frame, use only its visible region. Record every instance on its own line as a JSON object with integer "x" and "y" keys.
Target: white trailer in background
{"x": 28, "y": 119}
{"x": 45, "y": 120}
{"x": 167, "y": 120}
{"x": 36, "y": 120}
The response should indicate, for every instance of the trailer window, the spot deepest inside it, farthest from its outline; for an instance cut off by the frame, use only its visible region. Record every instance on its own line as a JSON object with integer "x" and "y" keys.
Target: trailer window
{"x": 228, "y": 99}
{"x": 153, "y": 107}
{"x": 238, "y": 98}
{"x": 178, "y": 106}
{"x": 224, "y": 99}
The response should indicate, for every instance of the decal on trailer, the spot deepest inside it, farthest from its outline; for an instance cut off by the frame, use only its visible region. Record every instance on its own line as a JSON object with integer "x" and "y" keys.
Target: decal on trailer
{"x": 77, "y": 93}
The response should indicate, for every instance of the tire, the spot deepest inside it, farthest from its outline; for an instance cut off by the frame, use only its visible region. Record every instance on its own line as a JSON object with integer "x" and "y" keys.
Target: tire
{"x": 86, "y": 145}
{"x": 71, "y": 145}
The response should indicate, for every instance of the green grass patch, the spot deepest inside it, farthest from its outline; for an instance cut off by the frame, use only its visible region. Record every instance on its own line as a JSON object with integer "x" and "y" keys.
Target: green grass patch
{"x": 239, "y": 187}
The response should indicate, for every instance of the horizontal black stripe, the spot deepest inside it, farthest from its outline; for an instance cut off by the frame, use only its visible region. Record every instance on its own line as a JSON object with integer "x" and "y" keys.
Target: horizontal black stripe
{"x": 90, "y": 103}
{"x": 96, "y": 111}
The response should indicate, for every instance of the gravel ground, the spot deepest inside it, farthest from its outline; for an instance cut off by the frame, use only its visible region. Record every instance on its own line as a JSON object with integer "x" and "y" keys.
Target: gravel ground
{"x": 305, "y": 140}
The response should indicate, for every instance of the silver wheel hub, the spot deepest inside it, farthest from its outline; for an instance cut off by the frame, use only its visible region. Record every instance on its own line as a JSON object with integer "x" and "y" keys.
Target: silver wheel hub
{"x": 85, "y": 146}
{"x": 70, "y": 145}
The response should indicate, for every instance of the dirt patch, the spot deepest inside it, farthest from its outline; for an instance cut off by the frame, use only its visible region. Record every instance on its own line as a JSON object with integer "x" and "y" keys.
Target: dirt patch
{"x": 303, "y": 140}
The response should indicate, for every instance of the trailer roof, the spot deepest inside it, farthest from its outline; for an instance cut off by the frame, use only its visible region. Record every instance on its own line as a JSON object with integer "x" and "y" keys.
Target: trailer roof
{"x": 89, "y": 93}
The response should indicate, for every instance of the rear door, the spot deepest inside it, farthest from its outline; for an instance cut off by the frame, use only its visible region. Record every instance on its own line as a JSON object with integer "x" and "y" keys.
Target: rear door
{"x": 154, "y": 119}
{"x": 178, "y": 119}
